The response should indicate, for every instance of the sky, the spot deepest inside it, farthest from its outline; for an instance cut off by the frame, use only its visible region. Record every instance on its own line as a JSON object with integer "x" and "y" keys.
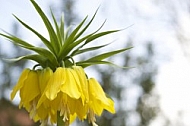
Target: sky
{"x": 149, "y": 23}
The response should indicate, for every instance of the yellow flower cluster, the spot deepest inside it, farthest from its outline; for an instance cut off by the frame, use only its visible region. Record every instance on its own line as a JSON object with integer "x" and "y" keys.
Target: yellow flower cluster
{"x": 66, "y": 91}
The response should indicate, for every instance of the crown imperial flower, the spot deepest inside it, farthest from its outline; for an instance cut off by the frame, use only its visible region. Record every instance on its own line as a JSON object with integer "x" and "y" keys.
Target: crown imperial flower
{"x": 59, "y": 90}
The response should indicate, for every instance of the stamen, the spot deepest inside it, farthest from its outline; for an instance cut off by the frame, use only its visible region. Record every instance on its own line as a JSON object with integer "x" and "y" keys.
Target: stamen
{"x": 65, "y": 112}
{"x": 33, "y": 109}
{"x": 94, "y": 124}
{"x": 44, "y": 122}
{"x": 91, "y": 117}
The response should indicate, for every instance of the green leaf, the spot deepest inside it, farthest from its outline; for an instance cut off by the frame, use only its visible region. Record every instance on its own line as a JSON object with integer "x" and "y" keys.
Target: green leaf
{"x": 16, "y": 40}
{"x": 98, "y": 59}
{"x": 37, "y": 58}
{"x": 45, "y": 53}
{"x": 73, "y": 40}
{"x": 59, "y": 36}
{"x": 89, "y": 38}
{"x": 44, "y": 62}
{"x": 66, "y": 35}
{"x": 84, "y": 29}
{"x": 75, "y": 44}
{"x": 70, "y": 39}
{"x": 26, "y": 45}
{"x": 98, "y": 35}
{"x": 108, "y": 54}
{"x": 61, "y": 29}
{"x": 85, "y": 64}
{"x": 52, "y": 34}
{"x": 79, "y": 41}
{"x": 79, "y": 51}
{"x": 44, "y": 40}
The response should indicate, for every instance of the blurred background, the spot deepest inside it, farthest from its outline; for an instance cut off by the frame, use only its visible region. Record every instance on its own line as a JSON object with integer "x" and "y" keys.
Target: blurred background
{"x": 153, "y": 93}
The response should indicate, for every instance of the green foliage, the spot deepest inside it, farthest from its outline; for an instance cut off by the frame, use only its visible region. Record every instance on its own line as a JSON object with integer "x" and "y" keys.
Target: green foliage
{"x": 63, "y": 44}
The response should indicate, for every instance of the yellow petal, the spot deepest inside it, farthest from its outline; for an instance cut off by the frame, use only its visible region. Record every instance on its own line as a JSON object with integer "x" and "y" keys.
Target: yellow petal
{"x": 20, "y": 82}
{"x": 96, "y": 90}
{"x": 30, "y": 87}
{"x": 110, "y": 106}
{"x": 42, "y": 99}
{"x": 76, "y": 106}
{"x": 98, "y": 99}
{"x": 96, "y": 106}
{"x": 83, "y": 83}
{"x": 72, "y": 118}
{"x": 53, "y": 116}
{"x": 70, "y": 87}
{"x": 55, "y": 83}
{"x": 43, "y": 112}
{"x": 58, "y": 101}
{"x": 44, "y": 76}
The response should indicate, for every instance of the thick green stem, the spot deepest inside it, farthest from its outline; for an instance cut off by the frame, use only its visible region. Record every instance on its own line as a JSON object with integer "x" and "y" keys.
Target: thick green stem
{"x": 60, "y": 121}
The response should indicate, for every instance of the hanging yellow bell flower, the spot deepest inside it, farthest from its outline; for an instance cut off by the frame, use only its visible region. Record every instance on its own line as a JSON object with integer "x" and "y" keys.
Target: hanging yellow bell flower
{"x": 64, "y": 91}
{"x": 43, "y": 113}
{"x": 97, "y": 101}
{"x": 28, "y": 86}
{"x": 31, "y": 85}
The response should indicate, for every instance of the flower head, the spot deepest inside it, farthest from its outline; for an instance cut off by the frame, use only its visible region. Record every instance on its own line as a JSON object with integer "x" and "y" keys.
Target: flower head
{"x": 30, "y": 85}
{"x": 67, "y": 91}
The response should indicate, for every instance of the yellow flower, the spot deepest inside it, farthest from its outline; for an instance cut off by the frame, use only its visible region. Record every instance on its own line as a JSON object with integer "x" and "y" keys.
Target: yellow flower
{"x": 20, "y": 83}
{"x": 28, "y": 87}
{"x": 29, "y": 90}
{"x": 98, "y": 101}
{"x": 43, "y": 113}
{"x": 66, "y": 91}
{"x": 31, "y": 85}
{"x": 44, "y": 93}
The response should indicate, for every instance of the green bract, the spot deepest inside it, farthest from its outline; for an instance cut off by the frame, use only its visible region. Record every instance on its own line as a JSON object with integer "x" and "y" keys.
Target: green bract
{"x": 62, "y": 45}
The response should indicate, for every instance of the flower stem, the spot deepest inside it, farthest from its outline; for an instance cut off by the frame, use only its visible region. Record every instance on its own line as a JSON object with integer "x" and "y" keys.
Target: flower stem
{"x": 60, "y": 121}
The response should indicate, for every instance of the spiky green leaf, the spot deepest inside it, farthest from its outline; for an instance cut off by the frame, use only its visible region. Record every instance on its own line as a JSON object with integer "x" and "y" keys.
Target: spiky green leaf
{"x": 52, "y": 34}
{"x": 107, "y": 54}
{"x": 44, "y": 40}
{"x": 70, "y": 39}
{"x": 37, "y": 58}
{"x": 80, "y": 41}
{"x": 84, "y": 29}
{"x": 16, "y": 40}
{"x": 58, "y": 32}
{"x": 85, "y": 64}
{"x": 98, "y": 35}
{"x": 62, "y": 29}
{"x": 26, "y": 45}
{"x": 79, "y": 51}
